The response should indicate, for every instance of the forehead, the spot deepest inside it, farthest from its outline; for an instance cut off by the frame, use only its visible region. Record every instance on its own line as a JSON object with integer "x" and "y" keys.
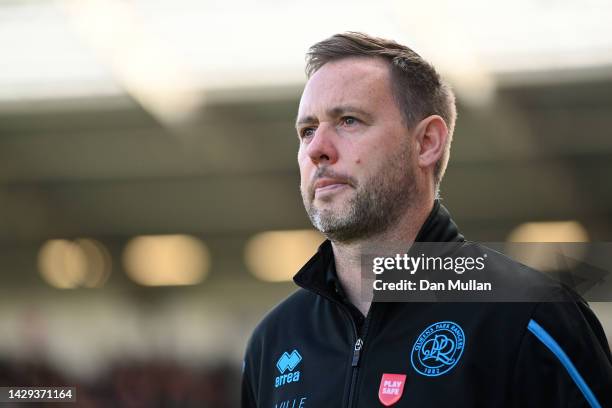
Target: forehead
{"x": 363, "y": 82}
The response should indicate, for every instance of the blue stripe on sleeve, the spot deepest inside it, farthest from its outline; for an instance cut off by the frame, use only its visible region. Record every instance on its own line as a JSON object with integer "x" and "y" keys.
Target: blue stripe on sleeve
{"x": 553, "y": 346}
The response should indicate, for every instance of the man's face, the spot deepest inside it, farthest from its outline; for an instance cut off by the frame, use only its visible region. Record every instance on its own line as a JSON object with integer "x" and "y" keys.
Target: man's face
{"x": 356, "y": 155}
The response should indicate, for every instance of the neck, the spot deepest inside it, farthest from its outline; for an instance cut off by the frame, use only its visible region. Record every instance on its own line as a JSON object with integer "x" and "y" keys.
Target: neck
{"x": 348, "y": 255}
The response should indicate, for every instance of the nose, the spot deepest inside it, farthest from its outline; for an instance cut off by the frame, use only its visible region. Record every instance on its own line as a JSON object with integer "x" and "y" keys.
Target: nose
{"x": 322, "y": 148}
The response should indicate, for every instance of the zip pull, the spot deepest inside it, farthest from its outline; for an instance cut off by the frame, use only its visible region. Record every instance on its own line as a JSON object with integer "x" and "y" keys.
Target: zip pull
{"x": 357, "y": 352}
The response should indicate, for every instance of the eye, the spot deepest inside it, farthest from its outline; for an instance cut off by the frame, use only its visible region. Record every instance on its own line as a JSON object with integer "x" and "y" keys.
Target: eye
{"x": 349, "y": 121}
{"x": 307, "y": 132}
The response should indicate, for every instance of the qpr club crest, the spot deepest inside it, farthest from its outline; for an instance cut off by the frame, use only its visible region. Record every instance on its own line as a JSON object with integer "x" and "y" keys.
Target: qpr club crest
{"x": 438, "y": 349}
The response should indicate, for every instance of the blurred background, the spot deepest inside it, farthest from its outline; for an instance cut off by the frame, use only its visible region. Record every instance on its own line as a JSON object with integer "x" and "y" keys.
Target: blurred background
{"x": 149, "y": 204}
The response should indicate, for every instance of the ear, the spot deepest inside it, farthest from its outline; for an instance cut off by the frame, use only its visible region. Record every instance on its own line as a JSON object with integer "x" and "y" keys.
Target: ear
{"x": 431, "y": 135}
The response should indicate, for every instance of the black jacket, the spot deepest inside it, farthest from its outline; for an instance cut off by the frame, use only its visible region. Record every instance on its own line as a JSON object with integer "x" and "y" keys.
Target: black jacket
{"x": 315, "y": 349}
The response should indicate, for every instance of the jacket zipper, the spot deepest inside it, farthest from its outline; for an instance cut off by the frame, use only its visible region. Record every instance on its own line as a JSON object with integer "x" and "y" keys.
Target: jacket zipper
{"x": 357, "y": 352}
{"x": 358, "y": 342}
{"x": 357, "y": 356}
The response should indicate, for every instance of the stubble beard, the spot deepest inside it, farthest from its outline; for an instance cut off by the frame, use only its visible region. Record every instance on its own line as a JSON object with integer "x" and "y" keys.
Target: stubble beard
{"x": 375, "y": 206}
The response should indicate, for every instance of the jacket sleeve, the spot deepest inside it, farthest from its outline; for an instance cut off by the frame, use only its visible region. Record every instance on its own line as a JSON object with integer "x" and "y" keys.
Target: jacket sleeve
{"x": 564, "y": 359}
{"x": 247, "y": 399}
{"x": 250, "y": 371}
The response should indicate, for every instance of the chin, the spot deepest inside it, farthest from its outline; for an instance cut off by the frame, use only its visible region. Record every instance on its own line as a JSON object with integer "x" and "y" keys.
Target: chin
{"x": 333, "y": 197}
{"x": 330, "y": 205}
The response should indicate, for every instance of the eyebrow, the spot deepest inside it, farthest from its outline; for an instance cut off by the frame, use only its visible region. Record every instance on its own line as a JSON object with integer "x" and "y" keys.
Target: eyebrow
{"x": 333, "y": 112}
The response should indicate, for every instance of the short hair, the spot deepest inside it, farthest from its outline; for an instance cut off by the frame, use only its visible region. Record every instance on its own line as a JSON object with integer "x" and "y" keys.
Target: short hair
{"x": 418, "y": 89}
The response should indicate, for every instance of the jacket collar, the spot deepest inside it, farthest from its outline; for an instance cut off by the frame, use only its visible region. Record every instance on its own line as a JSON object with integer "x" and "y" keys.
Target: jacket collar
{"x": 318, "y": 275}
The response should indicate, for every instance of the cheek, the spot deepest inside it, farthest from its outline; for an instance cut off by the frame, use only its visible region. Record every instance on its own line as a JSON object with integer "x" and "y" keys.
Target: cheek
{"x": 305, "y": 170}
{"x": 302, "y": 157}
{"x": 303, "y": 179}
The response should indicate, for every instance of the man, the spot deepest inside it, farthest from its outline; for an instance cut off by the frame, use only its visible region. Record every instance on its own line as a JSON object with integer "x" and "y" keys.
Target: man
{"x": 375, "y": 124}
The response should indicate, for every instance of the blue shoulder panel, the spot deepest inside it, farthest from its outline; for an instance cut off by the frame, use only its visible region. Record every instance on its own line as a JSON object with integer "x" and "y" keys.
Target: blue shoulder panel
{"x": 553, "y": 346}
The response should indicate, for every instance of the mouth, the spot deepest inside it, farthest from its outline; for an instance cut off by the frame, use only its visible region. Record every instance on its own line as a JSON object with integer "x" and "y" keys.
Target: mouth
{"x": 326, "y": 186}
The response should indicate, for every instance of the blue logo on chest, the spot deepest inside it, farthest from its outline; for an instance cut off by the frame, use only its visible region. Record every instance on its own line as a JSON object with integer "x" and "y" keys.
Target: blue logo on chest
{"x": 288, "y": 362}
{"x": 438, "y": 349}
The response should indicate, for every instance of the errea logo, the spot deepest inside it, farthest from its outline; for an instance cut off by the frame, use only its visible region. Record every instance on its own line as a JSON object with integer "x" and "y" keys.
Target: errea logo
{"x": 288, "y": 362}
